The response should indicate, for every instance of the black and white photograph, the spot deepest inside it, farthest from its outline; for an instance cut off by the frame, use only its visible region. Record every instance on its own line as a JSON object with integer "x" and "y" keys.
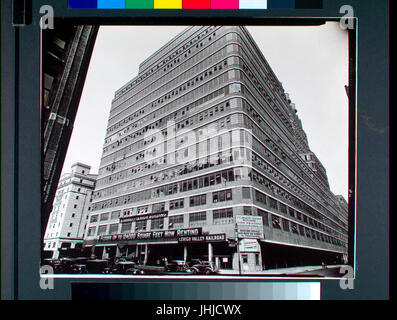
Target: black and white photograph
{"x": 195, "y": 151}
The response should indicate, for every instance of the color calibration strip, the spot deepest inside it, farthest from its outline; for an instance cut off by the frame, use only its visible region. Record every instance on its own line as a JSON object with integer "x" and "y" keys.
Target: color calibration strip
{"x": 195, "y": 4}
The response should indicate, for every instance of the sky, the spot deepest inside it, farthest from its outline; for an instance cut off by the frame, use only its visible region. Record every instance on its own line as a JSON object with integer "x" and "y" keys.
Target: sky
{"x": 310, "y": 62}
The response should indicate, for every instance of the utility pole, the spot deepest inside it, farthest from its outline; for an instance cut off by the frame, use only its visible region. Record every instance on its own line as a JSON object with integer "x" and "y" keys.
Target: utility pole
{"x": 238, "y": 251}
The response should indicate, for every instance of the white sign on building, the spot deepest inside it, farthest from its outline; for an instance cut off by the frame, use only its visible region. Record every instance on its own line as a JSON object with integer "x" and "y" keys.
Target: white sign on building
{"x": 249, "y": 227}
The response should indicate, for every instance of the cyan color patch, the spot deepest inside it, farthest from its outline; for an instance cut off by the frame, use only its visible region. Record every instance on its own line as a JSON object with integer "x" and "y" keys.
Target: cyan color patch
{"x": 253, "y": 4}
{"x": 111, "y": 4}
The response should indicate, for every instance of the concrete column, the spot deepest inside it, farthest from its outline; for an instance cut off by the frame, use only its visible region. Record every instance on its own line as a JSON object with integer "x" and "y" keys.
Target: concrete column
{"x": 185, "y": 253}
{"x": 117, "y": 251}
{"x": 146, "y": 254}
{"x": 210, "y": 251}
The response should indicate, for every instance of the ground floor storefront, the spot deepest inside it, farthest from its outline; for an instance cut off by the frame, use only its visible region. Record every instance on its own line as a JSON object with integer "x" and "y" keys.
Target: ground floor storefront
{"x": 249, "y": 255}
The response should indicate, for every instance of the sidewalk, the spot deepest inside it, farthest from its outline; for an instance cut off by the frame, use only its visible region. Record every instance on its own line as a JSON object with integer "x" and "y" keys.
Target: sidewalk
{"x": 281, "y": 271}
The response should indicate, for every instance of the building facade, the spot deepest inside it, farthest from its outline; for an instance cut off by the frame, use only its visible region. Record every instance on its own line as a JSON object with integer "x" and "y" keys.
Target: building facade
{"x": 71, "y": 207}
{"x": 66, "y": 54}
{"x": 205, "y": 158}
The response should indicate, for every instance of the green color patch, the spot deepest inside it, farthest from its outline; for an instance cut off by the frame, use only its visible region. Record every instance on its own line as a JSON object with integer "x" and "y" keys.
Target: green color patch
{"x": 139, "y": 4}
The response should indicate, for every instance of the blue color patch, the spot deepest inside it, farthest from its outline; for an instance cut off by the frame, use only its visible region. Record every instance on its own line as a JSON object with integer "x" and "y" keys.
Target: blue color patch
{"x": 82, "y": 4}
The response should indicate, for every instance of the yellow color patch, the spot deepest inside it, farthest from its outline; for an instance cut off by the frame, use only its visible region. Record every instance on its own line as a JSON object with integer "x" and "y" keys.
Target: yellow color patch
{"x": 167, "y": 4}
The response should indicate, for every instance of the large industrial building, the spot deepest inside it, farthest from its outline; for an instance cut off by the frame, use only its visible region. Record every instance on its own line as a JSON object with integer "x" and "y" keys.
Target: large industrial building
{"x": 205, "y": 157}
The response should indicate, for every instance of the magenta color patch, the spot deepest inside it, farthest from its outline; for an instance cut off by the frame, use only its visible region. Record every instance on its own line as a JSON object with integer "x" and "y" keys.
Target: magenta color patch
{"x": 224, "y": 4}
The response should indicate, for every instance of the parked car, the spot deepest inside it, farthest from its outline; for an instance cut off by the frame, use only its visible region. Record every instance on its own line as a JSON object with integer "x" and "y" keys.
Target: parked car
{"x": 97, "y": 266}
{"x": 204, "y": 267}
{"x": 119, "y": 267}
{"x": 179, "y": 266}
{"x": 78, "y": 268}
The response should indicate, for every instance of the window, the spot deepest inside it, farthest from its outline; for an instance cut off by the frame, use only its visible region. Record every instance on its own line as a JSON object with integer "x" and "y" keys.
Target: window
{"x": 246, "y": 193}
{"x": 291, "y": 212}
{"x": 157, "y": 224}
{"x": 102, "y": 230}
{"x": 140, "y": 225}
{"x": 113, "y": 228}
{"x": 283, "y": 208}
{"x": 73, "y": 215}
{"x": 294, "y": 227}
{"x": 265, "y": 217}
{"x": 176, "y": 221}
{"x": 223, "y": 195}
{"x": 158, "y": 207}
{"x": 285, "y": 225}
{"x": 75, "y": 206}
{"x": 197, "y": 218}
{"x": 77, "y": 197}
{"x": 276, "y": 222}
{"x": 223, "y": 216}
{"x": 198, "y": 200}
{"x": 91, "y": 231}
{"x": 126, "y": 227}
{"x": 71, "y": 224}
{"x": 115, "y": 215}
{"x": 260, "y": 197}
{"x": 248, "y": 211}
{"x": 104, "y": 216}
{"x": 301, "y": 230}
{"x": 143, "y": 209}
{"x": 257, "y": 259}
{"x": 68, "y": 234}
{"x": 176, "y": 204}
{"x": 273, "y": 203}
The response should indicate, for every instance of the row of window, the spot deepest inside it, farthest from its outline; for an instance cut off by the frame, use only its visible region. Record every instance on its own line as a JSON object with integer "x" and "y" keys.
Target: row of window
{"x": 194, "y": 201}
{"x": 219, "y": 216}
{"x": 289, "y": 226}
{"x": 288, "y": 197}
{"x": 158, "y": 150}
{"x": 174, "y": 188}
{"x": 169, "y": 115}
{"x": 235, "y": 155}
{"x": 278, "y": 150}
{"x": 202, "y": 90}
{"x": 183, "y": 87}
{"x": 167, "y": 60}
{"x": 298, "y": 165}
{"x": 284, "y": 209}
{"x": 178, "y": 74}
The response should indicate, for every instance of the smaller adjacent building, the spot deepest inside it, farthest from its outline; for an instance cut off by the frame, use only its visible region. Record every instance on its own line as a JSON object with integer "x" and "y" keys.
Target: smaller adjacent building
{"x": 72, "y": 204}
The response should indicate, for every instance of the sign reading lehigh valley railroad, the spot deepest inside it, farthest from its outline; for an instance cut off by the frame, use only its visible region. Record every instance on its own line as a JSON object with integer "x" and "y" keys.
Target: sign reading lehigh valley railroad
{"x": 152, "y": 235}
{"x": 249, "y": 227}
{"x": 206, "y": 238}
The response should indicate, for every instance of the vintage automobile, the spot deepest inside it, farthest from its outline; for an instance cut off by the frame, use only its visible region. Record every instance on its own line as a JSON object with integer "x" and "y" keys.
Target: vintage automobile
{"x": 78, "y": 268}
{"x": 120, "y": 267}
{"x": 97, "y": 266}
{"x": 204, "y": 267}
{"x": 178, "y": 266}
